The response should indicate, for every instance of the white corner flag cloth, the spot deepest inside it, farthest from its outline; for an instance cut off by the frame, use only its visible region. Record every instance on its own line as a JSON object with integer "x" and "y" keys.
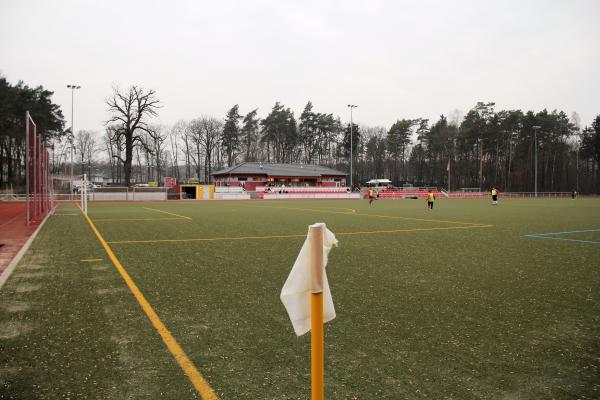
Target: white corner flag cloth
{"x": 296, "y": 291}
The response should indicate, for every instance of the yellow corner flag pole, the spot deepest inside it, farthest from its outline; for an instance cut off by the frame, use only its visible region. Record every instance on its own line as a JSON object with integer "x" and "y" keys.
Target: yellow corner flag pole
{"x": 316, "y": 312}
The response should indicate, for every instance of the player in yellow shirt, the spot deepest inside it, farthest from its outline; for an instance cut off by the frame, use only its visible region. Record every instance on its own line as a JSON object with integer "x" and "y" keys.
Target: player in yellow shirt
{"x": 494, "y": 196}
{"x": 371, "y": 195}
{"x": 430, "y": 200}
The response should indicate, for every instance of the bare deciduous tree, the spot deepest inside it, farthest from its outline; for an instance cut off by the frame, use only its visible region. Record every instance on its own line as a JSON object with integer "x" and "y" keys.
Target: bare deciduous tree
{"x": 114, "y": 148}
{"x": 206, "y": 132}
{"x": 130, "y": 111}
{"x": 178, "y": 132}
{"x": 155, "y": 145}
{"x": 85, "y": 144}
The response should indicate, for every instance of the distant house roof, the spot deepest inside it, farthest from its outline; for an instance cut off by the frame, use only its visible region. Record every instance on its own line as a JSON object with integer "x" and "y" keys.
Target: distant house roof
{"x": 268, "y": 169}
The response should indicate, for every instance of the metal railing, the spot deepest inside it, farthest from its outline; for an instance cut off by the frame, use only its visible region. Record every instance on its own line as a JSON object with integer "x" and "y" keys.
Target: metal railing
{"x": 101, "y": 194}
{"x": 300, "y": 189}
{"x": 128, "y": 193}
{"x": 161, "y": 193}
{"x": 532, "y": 194}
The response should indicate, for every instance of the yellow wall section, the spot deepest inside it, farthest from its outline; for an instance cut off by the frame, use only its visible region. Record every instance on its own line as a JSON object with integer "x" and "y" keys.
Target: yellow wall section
{"x": 201, "y": 192}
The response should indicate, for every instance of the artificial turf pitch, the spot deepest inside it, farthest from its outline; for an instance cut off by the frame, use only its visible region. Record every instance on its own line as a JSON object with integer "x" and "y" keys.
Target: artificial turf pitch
{"x": 454, "y": 303}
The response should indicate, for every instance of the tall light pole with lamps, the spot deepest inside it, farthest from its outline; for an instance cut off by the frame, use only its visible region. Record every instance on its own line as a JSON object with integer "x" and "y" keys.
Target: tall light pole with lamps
{"x": 535, "y": 129}
{"x": 351, "y": 106}
{"x": 73, "y": 88}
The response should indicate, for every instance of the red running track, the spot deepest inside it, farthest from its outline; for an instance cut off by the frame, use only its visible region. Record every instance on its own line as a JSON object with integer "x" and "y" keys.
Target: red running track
{"x": 14, "y": 232}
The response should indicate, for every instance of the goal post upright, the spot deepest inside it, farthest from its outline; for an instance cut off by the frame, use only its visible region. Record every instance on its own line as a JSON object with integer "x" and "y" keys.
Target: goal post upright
{"x": 81, "y": 190}
{"x": 38, "y": 201}
{"x": 84, "y": 194}
{"x": 36, "y": 176}
{"x": 27, "y": 160}
{"x": 32, "y": 170}
{"x": 46, "y": 189}
{"x": 35, "y": 170}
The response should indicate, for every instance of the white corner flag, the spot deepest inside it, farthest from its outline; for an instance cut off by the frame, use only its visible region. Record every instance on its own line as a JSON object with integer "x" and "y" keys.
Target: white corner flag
{"x": 297, "y": 290}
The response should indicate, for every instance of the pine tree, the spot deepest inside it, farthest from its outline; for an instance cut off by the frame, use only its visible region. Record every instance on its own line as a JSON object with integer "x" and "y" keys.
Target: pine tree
{"x": 230, "y": 139}
{"x": 250, "y": 136}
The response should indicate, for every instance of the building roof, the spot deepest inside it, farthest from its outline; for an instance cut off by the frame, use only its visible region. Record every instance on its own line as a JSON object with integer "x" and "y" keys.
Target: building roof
{"x": 254, "y": 168}
{"x": 378, "y": 181}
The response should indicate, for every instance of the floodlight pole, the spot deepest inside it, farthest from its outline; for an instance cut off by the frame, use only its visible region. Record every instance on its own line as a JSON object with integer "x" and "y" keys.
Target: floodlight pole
{"x": 71, "y": 179}
{"x": 448, "y": 168}
{"x": 480, "y": 164}
{"x": 577, "y": 162}
{"x": 535, "y": 180}
{"x": 351, "y": 106}
{"x": 73, "y": 88}
{"x": 448, "y": 175}
{"x": 450, "y": 157}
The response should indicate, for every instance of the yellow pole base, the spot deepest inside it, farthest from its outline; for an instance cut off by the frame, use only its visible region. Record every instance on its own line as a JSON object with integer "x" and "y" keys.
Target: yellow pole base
{"x": 316, "y": 341}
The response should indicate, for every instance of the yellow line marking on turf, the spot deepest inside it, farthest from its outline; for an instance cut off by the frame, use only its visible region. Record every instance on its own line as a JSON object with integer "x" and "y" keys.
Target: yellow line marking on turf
{"x": 207, "y": 239}
{"x": 182, "y": 359}
{"x": 369, "y": 215}
{"x": 416, "y": 230}
{"x": 61, "y": 215}
{"x": 92, "y": 260}
{"x": 214, "y": 239}
{"x": 166, "y": 212}
{"x": 321, "y": 210}
{"x": 137, "y": 219}
{"x": 420, "y": 219}
{"x": 350, "y": 210}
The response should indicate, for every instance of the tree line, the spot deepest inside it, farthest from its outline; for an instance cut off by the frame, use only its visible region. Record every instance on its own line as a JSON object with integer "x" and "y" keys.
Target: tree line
{"x": 15, "y": 100}
{"x": 484, "y": 147}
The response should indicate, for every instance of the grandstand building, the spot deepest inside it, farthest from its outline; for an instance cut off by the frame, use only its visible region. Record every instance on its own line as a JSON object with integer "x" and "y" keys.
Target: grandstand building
{"x": 253, "y": 175}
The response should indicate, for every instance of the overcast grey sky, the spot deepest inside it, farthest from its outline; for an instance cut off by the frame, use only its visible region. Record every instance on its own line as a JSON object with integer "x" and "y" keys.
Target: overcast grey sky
{"x": 395, "y": 59}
